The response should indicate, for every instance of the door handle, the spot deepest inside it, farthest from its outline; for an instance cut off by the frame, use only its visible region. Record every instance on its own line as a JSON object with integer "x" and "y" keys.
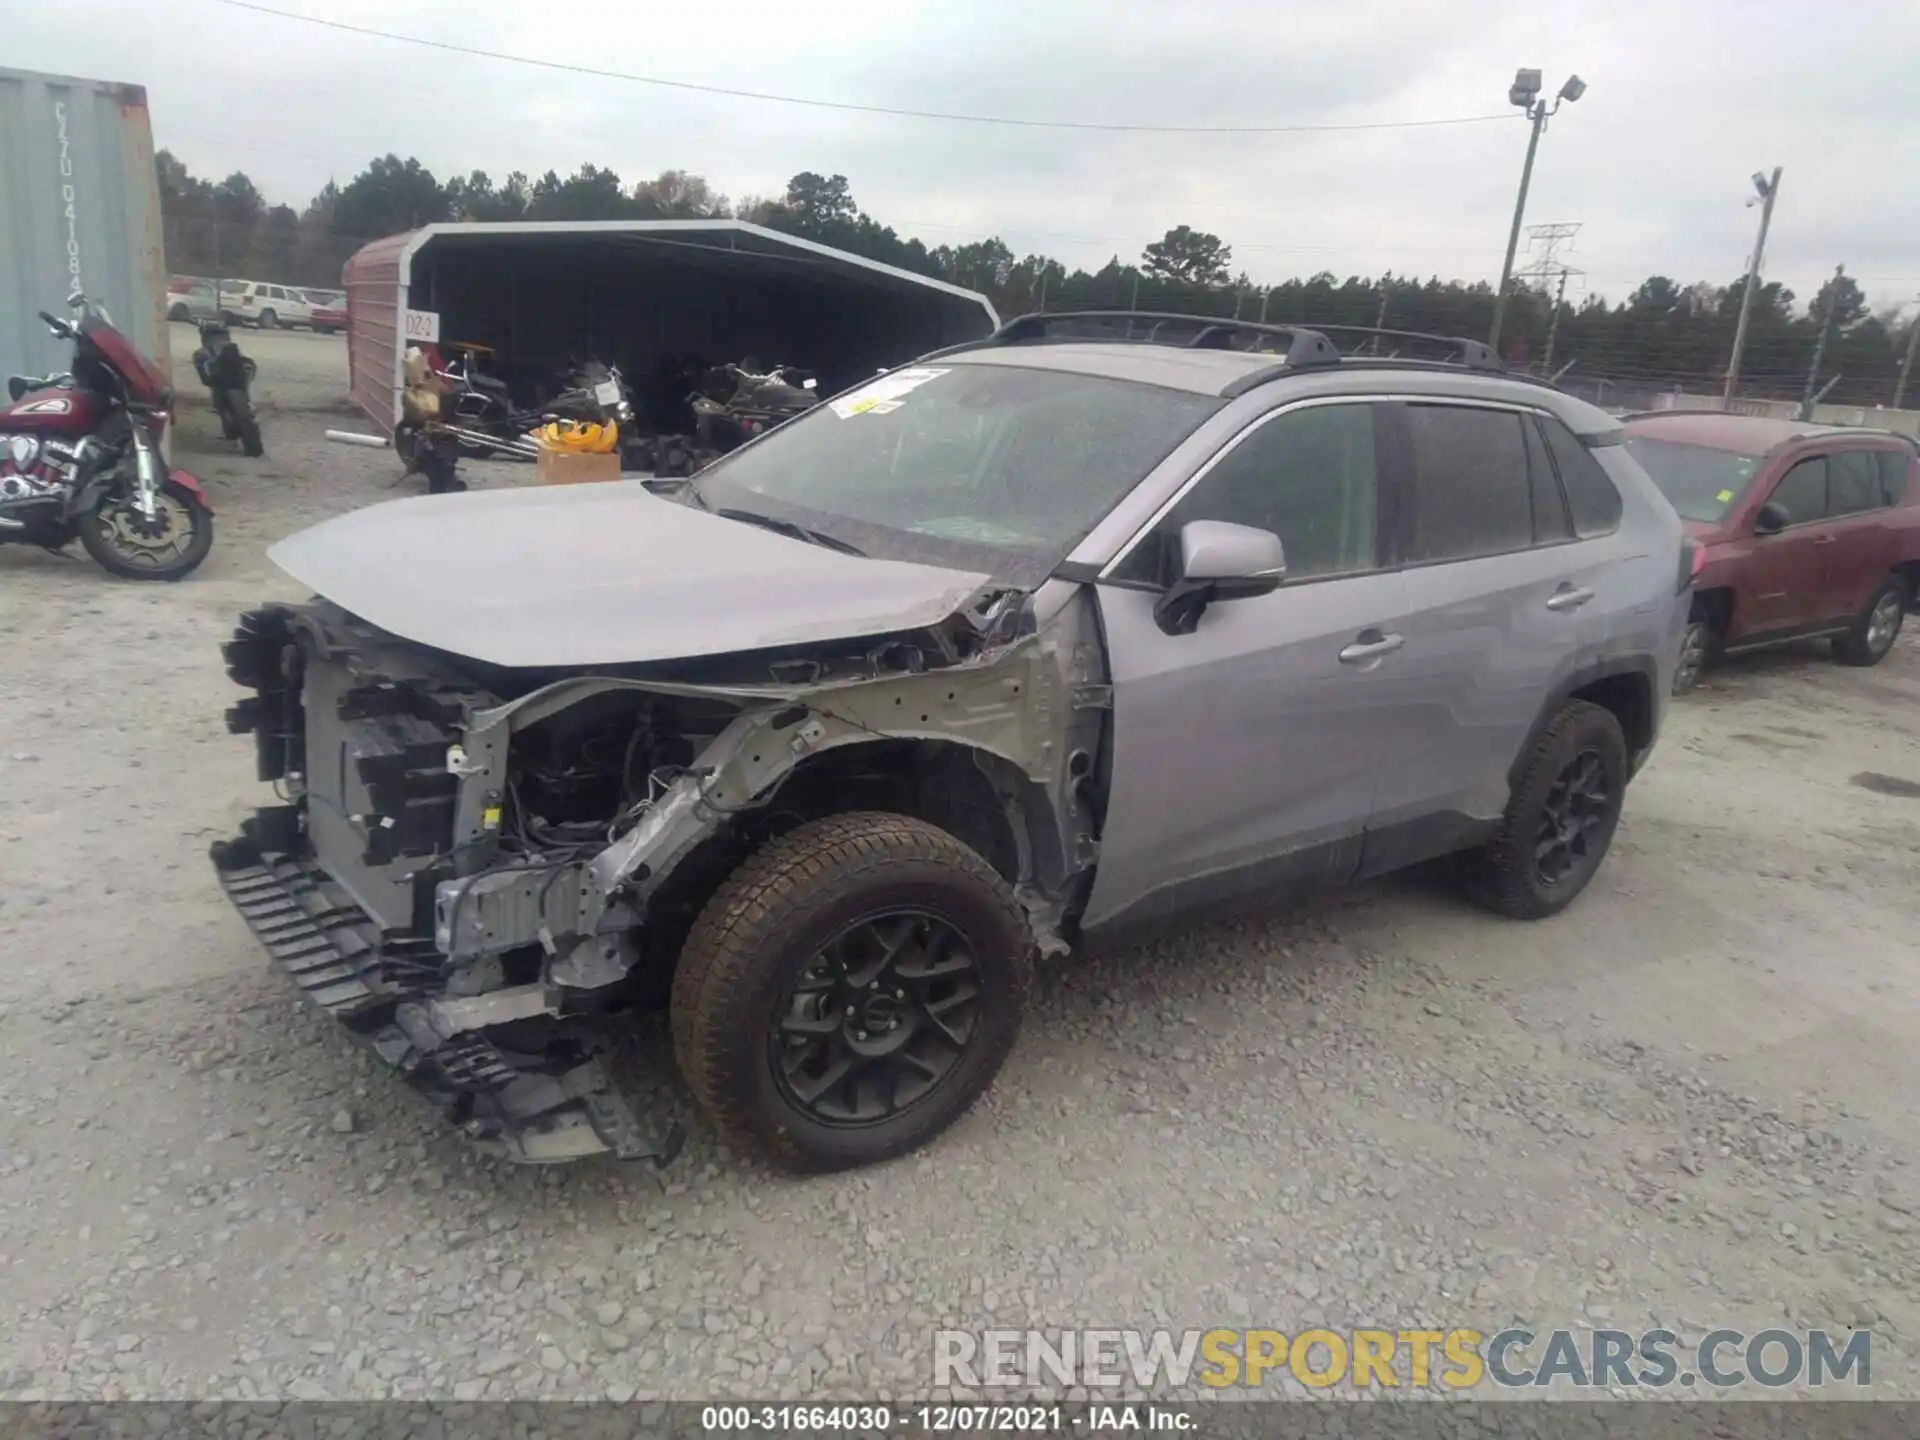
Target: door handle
{"x": 1568, "y": 599}
{"x": 1824, "y": 539}
{"x": 1370, "y": 645}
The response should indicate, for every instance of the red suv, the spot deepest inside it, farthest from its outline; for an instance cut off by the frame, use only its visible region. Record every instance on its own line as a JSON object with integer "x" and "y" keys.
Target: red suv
{"x": 1806, "y": 530}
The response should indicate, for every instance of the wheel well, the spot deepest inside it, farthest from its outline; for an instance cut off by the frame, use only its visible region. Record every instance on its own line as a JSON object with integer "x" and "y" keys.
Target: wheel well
{"x": 1629, "y": 696}
{"x": 1715, "y": 606}
{"x": 1909, "y": 572}
{"x": 939, "y": 782}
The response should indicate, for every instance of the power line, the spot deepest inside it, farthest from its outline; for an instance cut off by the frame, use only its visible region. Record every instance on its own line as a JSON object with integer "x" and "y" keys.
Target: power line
{"x": 848, "y": 105}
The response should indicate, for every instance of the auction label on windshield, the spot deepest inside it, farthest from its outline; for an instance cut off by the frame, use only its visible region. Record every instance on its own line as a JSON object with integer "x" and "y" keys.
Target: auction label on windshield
{"x": 884, "y": 394}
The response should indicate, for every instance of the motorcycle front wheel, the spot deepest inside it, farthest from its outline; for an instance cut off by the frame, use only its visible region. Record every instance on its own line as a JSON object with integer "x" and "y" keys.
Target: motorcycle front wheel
{"x": 168, "y": 547}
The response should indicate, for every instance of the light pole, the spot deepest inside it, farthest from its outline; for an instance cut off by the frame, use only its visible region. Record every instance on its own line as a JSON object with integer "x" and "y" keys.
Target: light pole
{"x": 1765, "y": 189}
{"x": 1525, "y": 93}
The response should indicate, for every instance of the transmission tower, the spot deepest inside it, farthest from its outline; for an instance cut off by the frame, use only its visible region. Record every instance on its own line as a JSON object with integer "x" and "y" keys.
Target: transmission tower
{"x": 1549, "y": 273}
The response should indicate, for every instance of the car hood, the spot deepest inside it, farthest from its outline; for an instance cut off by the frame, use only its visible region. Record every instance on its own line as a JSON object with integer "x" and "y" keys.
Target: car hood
{"x": 605, "y": 574}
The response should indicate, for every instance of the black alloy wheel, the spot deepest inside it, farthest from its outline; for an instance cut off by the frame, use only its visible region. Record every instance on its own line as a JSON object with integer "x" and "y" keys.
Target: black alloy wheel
{"x": 1574, "y": 818}
{"x": 877, "y": 1020}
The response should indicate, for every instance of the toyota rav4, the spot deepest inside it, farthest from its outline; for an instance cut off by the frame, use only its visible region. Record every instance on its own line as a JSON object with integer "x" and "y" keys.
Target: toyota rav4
{"x": 1038, "y": 640}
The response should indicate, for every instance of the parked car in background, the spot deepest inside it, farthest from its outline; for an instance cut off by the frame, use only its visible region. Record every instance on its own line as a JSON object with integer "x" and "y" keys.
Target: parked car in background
{"x": 1036, "y": 640}
{"x": 191, "y": 300}
{"x": 271, "y": 307}
{"x": 327, "y": 310}
{"x": 1809, "y": 530}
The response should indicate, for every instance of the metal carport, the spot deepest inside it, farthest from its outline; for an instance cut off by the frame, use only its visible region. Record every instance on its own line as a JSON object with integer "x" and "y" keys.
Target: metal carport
{"x": 636, "y": 292}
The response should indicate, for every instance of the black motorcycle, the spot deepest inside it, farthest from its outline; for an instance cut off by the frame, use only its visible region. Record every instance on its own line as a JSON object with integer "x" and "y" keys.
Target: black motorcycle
{"x": 228, "y": 375}
{"x": 739, "y": 402}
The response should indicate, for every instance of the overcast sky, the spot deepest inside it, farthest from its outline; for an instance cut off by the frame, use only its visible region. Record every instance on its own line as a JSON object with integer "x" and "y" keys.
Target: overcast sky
{"x": 1687, "y": 99}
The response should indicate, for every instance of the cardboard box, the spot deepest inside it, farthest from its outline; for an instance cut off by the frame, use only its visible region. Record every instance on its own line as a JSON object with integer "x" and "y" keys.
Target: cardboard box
{"x": 557, "y": 467}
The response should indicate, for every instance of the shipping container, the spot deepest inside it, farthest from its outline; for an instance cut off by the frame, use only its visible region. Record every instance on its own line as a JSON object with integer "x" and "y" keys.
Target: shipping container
{"x": 79, "y": 209}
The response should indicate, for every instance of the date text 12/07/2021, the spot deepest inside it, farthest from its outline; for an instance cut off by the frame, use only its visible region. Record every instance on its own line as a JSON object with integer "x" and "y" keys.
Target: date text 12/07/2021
{"x": 941, "y": 1419}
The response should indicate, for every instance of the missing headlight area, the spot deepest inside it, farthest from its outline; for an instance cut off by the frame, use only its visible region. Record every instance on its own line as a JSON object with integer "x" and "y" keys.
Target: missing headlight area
{"x": 488, "y": 874}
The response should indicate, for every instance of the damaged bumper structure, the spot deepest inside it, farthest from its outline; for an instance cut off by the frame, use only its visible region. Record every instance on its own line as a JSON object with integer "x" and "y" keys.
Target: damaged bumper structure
{"x": 486, "y": 873}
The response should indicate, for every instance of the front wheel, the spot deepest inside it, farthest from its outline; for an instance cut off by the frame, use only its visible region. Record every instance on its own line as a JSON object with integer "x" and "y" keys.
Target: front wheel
{"x": 1560, "y": 818}
{"x": 170, "y": 546}
{"x": 850, "y": 991}
{"x": 1697, "y": 645}
{"x": 1877, "y": 626}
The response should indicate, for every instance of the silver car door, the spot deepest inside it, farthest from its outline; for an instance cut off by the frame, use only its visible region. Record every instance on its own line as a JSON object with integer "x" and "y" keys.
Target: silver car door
{"x": 1501, "y": 597}
{"x": 1245, "y": 754}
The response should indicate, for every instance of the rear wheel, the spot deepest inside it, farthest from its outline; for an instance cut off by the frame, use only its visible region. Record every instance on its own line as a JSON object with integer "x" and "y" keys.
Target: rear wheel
{"x": 169, "y": 546}
{"x": 251, "y": 445}
{"x": 1876, "y": 627}
{"x": 269, "y": 320}
{"x": 178, "y": 312}
{"x": 1560, "y": 819}
{"x": 850, "y": 991}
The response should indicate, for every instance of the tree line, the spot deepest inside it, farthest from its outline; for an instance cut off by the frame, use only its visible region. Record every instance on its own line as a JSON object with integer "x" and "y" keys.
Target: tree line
{"x": 1663, "y": 335}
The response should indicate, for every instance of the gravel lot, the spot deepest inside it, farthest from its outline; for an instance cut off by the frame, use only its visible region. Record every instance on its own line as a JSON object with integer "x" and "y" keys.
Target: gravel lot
{"x": 1688, "y": 1100}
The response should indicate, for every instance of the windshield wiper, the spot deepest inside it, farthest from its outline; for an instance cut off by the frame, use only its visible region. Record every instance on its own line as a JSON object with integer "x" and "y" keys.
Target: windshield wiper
{"x": 789, "y": 528}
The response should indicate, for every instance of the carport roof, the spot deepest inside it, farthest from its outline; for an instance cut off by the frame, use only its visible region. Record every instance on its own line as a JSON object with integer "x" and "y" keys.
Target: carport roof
{"x": 752, "y": 246}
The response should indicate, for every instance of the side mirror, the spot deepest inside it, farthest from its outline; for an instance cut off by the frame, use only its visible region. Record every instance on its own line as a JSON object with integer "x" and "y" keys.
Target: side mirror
{"x": 1771, "y": 518}
{"x": 1218, "y": 560}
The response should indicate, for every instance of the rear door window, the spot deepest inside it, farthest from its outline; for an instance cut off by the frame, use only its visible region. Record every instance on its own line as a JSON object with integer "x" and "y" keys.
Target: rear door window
{"x": 1590, "y": 490}
{"x": 1853, "y": 482}
{"x": 1802, "y": 491}
{"x": 1472, "y": 488}
{"x": 1551, "y": 521}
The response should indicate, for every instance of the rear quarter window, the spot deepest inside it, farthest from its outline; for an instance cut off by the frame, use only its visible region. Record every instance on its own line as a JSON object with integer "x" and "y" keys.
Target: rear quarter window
{"x": 1591, "y": 495}
{"x": 1894, "y": 467}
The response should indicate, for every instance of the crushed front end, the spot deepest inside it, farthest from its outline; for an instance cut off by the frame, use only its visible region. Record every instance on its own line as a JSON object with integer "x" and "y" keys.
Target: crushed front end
{"x": 485, "y": 874}
{"x": 360, "y": 736}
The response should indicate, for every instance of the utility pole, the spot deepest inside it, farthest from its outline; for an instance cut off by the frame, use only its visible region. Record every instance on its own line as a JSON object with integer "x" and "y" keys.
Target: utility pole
{"x": 1525, "y": 93}
{"x": 1768, "y": 188}
{"x": 1380, "y": 316}
{"x": 1906, "y": 365}
{"x": 1553, "y": 325}
{"x": 1808, "y": 400}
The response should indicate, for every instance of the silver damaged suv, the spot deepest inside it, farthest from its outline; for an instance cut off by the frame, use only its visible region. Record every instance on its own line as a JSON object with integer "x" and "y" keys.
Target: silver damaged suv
{"x": 1038, "y": 640}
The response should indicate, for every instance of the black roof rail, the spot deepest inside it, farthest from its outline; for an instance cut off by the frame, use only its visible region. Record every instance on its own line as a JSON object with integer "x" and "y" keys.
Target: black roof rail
{"x": 1304, "y": 346}
{"x": 1469, "y": 354}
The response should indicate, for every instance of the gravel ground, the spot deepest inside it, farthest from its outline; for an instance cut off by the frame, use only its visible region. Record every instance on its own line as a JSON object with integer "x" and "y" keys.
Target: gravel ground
{"x": 1688, "y": 1100}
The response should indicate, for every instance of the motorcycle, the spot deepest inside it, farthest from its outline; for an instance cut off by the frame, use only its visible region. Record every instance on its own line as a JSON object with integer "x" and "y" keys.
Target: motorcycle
{"x": 598, "y": 393}
{"x": 228, "y": 374}
{"x": 738, "y": 402}
{"x": 80, "y": 458}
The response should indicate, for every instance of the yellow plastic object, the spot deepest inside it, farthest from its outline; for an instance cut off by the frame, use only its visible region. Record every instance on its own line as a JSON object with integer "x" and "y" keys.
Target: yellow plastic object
{"x": 579, "y": 437}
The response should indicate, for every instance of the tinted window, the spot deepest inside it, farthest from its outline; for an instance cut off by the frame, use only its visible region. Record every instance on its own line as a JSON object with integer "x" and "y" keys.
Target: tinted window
{"x": 1307, "y": 475}
{"x": 1596, "y": 504}
{"x": 1550, "y": 519}
{"x": 1802, "y": 491}
{"x": 987, "y": 466}
{"x": 1700, "y": 482}
{"x": 1893, "y": 475}
{"x": 1855, "y": 482}
{"x": 1472, "y": 492}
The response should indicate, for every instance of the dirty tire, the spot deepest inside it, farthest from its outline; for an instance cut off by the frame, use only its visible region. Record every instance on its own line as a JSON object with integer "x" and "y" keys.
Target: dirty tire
{"x": 251, "y": 445}
{"x": 1698, "y": 644}
{"x": 269, "y": 320}
{"x": 1505, "y": 877}
{"x": 768, "y": 922}
{"x": 1876, "y": 627}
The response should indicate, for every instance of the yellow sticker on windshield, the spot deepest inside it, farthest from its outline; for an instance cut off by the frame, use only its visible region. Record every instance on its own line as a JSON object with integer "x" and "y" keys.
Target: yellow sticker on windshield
{"x": 1724, "y": 496}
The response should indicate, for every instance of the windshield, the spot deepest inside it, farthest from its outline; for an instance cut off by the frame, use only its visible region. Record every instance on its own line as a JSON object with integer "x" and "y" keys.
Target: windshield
{"x": 1701, "y": 483}
{"x": 986, "y": 467}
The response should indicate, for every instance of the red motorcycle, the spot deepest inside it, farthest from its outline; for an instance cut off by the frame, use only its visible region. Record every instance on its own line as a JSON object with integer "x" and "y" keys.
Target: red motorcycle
{"x": 80, "y": 459}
